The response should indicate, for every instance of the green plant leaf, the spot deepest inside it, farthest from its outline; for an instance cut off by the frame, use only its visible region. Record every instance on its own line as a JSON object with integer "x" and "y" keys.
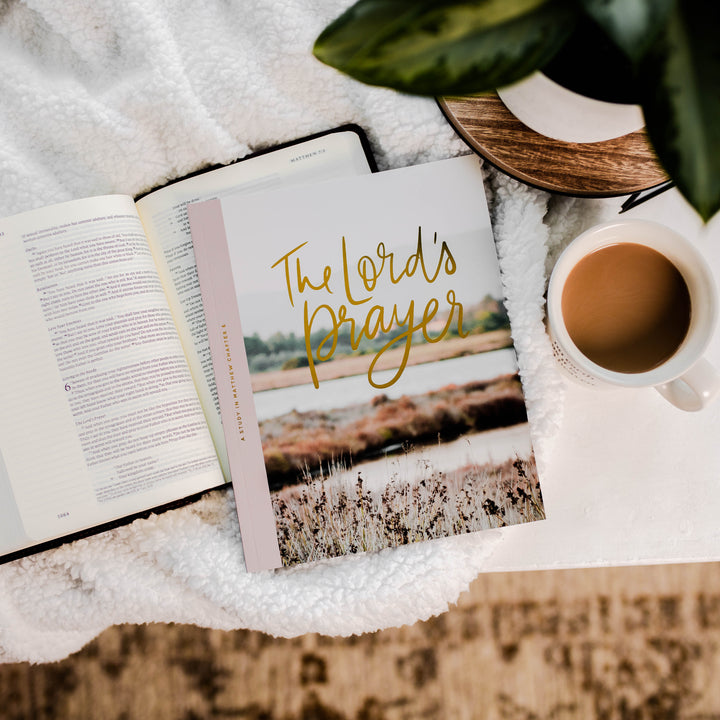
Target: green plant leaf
{"x": 631, "y": 24}
{"x": 441, "y": 47}
{"x": 590, "y": 63}
{"x": 681, "y": 100}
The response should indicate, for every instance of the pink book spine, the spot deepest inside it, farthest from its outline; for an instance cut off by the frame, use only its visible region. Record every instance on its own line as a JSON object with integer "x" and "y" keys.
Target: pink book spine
{"x": 237, "y": 408}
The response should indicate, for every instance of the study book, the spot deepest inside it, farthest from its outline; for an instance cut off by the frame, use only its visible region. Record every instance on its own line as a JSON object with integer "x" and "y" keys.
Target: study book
{"x": 366, "y": 374}
{"x": 108, "y": 402}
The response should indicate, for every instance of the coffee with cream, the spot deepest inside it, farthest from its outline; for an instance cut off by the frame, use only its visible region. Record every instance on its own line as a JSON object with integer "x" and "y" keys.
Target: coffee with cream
{"x": 626, "y": 307}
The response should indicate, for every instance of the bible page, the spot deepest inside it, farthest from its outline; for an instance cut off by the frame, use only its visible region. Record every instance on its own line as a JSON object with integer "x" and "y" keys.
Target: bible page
{"x": 100, "y": 415}
{"x": 164, "y": 214}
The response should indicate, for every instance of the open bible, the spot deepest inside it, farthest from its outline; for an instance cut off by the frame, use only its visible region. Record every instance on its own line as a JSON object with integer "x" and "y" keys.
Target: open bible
{"x": 108, "y": 402}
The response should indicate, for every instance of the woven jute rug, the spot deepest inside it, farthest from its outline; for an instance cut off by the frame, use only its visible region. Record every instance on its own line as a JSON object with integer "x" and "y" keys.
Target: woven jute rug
{"x": 607, "y": 644}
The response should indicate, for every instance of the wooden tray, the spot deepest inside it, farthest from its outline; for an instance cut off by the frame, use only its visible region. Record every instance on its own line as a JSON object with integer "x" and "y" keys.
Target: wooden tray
{"x": 620, "y": 166}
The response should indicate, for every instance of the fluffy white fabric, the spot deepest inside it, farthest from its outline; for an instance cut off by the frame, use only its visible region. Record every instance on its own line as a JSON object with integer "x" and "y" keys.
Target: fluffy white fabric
{"x": 100, "y": 96}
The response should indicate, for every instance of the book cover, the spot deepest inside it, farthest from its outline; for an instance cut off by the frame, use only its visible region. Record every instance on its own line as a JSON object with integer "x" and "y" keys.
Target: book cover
{"x": 366, "y": 374}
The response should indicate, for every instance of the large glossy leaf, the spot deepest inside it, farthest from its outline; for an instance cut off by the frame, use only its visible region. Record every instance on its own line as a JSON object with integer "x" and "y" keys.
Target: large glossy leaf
{"x": 681, "y": 85}
{"x": 591, "y": 64}
{"x": 631, "y": 24}
{"x": 440, "y": 47}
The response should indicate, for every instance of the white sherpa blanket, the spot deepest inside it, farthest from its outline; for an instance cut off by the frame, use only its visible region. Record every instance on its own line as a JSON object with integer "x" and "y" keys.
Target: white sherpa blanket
{"x": 101, "y": 96}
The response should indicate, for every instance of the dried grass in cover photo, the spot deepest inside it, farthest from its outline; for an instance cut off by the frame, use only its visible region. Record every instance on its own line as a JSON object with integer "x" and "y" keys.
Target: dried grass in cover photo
{"x": 394, "y": 469}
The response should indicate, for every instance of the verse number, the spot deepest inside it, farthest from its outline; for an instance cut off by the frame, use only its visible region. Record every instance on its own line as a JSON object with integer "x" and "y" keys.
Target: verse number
{"x": 67, "y": 387}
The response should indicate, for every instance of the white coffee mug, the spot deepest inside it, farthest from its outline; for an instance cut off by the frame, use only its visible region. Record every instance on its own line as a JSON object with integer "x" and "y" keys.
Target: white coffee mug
{"x": 685, "y": 379}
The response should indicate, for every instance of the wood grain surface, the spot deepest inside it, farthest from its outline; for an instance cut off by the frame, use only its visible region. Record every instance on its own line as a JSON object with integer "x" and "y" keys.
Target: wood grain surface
{"x": 620, "y": 166}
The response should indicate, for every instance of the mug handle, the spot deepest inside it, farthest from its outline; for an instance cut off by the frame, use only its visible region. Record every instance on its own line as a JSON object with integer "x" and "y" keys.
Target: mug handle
{"x": 694, "y": 389}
